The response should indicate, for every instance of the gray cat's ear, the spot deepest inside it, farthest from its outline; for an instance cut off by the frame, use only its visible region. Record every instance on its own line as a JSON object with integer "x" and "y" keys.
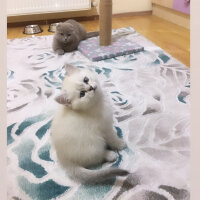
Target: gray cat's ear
{"x": 63, "y": 99}
{"x": 70, "y": 69}
{"x": 59, "y": 26}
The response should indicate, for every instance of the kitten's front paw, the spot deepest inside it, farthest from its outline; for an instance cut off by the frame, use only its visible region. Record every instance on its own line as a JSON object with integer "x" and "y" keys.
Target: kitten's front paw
{"x": 111, "y": 156}
{"x": 122, "y": 145}
{"x": 60, "y": 51}
{"x": 119, "y": 145}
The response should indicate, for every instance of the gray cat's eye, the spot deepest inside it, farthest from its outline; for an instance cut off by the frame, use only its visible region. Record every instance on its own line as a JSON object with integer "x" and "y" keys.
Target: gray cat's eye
{"x": 86, "y": 80}
{"x": 82, "y": 94}
{"x": 62, "y": 34}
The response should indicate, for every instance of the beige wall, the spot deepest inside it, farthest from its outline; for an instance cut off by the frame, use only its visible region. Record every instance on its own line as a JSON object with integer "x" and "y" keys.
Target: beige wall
{"x": 119, "y": 6}
{"x": 123, "y": 6}
{"x": 172, "y": 15}
{"x": 165, "y": 3}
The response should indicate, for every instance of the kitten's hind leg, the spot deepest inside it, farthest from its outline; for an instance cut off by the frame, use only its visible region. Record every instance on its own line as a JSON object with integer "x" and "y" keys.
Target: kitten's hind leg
{"x": 114, "y": 142}
{"x": 110, "y": 156}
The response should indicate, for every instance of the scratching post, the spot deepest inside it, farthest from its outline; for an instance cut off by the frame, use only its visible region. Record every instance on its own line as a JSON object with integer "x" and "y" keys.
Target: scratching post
{"x": 102, "y": 47}
{"x": 105, "y": 22}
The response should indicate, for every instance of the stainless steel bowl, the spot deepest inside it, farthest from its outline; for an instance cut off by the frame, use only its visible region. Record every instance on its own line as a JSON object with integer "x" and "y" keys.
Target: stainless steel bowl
{"x": 32, "y": 29}
{"x": 52, "y": 27}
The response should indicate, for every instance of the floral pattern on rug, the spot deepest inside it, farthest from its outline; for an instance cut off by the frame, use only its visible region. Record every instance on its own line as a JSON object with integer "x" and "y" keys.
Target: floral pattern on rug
{"x": 150, "y": 94}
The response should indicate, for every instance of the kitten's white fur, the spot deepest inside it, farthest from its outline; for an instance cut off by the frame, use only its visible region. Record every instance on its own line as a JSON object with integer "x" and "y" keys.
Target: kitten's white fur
{"x": 83, "y": 126}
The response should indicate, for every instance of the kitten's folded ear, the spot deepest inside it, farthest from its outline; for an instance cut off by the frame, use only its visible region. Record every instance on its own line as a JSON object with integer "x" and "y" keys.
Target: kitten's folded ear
{"x": 63, "y": 99}
{"x": 70, "y": 69}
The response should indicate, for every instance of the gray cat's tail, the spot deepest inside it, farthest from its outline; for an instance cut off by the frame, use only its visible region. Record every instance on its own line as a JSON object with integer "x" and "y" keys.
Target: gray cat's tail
{"x": 84, "y": 175}
{"x": 92, "y": 34}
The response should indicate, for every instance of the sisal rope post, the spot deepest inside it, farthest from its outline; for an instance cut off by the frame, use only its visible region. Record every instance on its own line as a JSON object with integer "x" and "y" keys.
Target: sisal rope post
{"x": 105, "y": 22}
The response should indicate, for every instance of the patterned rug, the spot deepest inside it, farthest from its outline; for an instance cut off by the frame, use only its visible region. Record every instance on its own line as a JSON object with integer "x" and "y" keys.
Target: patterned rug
{"x": 149, "y": 91}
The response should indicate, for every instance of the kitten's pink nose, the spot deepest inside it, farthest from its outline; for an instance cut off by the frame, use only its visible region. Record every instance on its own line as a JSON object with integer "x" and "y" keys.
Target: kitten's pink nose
{"x": 92, "y": 88}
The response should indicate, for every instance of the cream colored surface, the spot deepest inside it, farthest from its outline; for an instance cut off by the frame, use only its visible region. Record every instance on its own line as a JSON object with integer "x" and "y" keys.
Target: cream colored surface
{"x": 3, "y": 107}
{"x": 124, "y": 6}
{"x": 119, "y": 6}
{"x": 165, "y": 3}
{"x": 195, "y": 99}
{"x": 172, "y": 16}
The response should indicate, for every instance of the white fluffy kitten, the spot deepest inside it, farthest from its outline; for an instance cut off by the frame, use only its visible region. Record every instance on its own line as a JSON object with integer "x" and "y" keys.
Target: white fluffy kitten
{"x": 83, "y": 126}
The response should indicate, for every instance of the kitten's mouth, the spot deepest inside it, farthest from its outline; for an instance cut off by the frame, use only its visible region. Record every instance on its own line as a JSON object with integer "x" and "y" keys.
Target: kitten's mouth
{"x": 67, "y": 41}
{"x": 93, "y": 88}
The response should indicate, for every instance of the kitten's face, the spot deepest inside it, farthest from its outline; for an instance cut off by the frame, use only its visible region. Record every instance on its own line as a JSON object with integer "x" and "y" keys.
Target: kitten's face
{"x": 82, "y": 89}
{"x": 65, "y": 33}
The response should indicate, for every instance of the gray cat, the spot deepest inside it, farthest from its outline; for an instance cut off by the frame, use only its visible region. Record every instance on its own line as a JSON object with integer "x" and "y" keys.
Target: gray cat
{"x": 68, "y": 36}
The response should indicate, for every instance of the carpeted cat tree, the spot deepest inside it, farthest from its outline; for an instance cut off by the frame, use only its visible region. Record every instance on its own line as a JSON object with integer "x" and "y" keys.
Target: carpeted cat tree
{"x": 105, "y": 46}
{"x": 105, "y": 22}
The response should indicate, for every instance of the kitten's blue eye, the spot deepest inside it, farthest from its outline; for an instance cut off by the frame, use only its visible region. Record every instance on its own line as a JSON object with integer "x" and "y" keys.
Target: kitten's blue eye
{"x": 85, "y": 80}
{"x": 82, "y": 94}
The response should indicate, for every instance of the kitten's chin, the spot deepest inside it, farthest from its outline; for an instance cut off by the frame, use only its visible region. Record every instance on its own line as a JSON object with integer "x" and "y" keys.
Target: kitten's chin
{"x": 66, "y": 42}
{"x": 88, "y": 107}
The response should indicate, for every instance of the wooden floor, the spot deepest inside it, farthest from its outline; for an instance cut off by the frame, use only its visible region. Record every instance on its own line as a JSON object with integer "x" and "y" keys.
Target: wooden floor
{"x": 170, "y": 37}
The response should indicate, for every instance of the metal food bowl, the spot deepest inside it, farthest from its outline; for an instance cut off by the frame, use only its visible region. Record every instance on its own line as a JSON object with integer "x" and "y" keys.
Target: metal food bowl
{"x": 32, "y": 29}
{"x": 52, "y": 27}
